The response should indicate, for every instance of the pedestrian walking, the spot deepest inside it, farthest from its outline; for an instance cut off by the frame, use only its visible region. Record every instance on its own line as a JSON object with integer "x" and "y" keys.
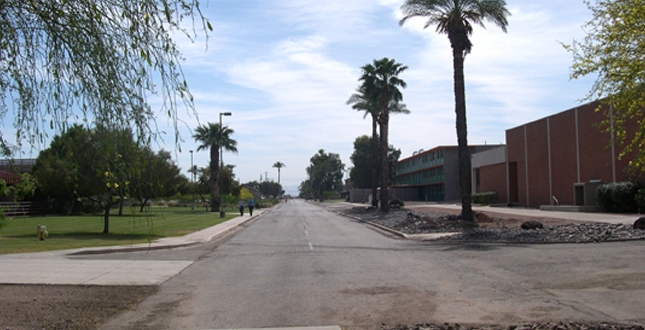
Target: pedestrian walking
{"x": 241, "y": 205}
{"x": 251, "y": 204}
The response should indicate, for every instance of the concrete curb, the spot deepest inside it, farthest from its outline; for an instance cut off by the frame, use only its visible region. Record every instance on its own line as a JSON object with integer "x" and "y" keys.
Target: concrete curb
{"x": 161, "y": 245}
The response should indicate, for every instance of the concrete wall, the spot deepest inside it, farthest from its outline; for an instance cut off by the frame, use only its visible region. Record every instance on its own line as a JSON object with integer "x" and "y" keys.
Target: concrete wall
{"x": 489, "y": 157}
{"x": 451, "y": 174}
{"x": 359, "y": 195}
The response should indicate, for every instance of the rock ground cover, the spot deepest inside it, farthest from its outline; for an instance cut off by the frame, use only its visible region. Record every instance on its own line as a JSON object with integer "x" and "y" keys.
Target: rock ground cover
{"x": 494, "y": 228}
{"x": 527, "y": 326}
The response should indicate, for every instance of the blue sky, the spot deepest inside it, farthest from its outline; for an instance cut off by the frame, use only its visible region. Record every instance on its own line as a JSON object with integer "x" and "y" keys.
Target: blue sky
{"x": 285, "y": 69}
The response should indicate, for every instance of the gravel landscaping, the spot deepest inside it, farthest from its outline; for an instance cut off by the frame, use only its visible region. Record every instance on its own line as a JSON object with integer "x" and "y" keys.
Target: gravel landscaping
{"x": 528, "y": 326}
{"x": 493, "y": 229}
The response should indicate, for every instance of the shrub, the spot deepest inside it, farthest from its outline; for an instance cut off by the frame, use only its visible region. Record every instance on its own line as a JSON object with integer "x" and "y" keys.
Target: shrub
{"x": 640, "y": 200}
{"x": 266, "y": 203}
{"x": 485, "y": 198}
{"x": 619, "y": 197}
{"x": 396, "y": 202}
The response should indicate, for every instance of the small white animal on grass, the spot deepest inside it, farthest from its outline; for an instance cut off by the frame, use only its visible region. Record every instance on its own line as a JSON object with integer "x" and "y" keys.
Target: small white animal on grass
{"x": 42, "y": 232}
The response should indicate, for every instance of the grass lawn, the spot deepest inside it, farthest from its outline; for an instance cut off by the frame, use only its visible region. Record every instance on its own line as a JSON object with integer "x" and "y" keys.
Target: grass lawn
{"x": 70, "y": 232}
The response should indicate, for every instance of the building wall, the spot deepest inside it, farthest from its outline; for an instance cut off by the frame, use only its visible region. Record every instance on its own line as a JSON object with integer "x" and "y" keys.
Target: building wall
{"x": 421, "y": 177}
{"x": 17, "y": 165}
{"x": 548, "y": 156}
{"x": 496, "y": 155}
{"x": 537, "y": 163}
{"x": 489, "y": 172}
{"x": 434, "y": 173}
{"x": 563, "y": 156}
{"x": 451, "y": 174}
{"x": 493, "y": 178}
{"x": 405, "y": 194}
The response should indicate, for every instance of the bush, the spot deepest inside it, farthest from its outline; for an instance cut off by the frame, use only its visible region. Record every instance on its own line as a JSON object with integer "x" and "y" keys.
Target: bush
{"x": 485, "y": 198}
{"x": 266, "y": 203}
{"x": 396, "y": 202}
{"x": 620, "y": 197}
{"x": 640, "y": 200}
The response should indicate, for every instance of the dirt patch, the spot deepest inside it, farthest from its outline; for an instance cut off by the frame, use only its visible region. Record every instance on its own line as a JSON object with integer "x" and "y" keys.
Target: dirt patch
{"x": 25, "y": 307}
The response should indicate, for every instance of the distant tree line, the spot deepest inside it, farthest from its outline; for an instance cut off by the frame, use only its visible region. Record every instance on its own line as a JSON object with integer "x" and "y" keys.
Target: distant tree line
{"x": 324, "y": 176}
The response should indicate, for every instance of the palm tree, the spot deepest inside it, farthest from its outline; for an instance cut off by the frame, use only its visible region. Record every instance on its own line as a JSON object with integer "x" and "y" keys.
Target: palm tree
{"x": 210, "y": 136}
{"x": 360, "y": 102}
{"x": 456, "y": 18}
{"x": 279, "y": 165}
{"x": 381, "y": 87}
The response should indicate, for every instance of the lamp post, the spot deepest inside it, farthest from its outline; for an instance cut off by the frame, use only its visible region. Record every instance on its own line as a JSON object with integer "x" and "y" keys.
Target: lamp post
{"x": 222, "y": 214}
{"x": 192, "y": 180}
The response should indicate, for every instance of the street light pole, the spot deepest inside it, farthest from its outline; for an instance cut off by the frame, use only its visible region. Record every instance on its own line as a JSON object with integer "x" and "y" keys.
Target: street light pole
{"x": 222, "y": 214}
{"x": 192, "y": 180}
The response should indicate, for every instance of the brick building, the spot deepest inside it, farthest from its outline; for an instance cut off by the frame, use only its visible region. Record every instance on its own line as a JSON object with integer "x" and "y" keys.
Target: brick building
{"x": 431, "y": 175}
{"x": 559, "y": 159}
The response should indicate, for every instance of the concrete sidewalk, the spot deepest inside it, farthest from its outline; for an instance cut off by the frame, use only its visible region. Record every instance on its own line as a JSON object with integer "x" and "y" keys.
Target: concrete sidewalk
{"x": 56, "y": 267}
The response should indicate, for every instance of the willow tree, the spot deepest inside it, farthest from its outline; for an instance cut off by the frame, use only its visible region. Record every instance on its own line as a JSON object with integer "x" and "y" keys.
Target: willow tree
{"x": 456, "y": 18}
{"x": 613, "y": 52}
{"x": 71, "y": 61}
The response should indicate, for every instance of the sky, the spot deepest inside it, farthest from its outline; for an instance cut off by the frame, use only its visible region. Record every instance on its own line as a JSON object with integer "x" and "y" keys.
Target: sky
{"x": 285, "y": 69}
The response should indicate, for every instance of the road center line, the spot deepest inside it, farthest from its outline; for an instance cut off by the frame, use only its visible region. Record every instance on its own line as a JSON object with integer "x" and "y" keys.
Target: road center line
{"x": 311, "y": 246}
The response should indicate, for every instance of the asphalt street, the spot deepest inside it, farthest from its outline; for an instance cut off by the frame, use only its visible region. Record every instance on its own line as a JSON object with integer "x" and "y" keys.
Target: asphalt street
{"x": 301, "y": 265}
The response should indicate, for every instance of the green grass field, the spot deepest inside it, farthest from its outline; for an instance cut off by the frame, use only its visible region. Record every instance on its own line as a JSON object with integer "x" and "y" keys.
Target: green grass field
{"x": 70, "y": 232}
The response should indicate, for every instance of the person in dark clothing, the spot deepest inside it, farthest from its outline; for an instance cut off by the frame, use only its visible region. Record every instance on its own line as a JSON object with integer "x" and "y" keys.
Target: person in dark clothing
{"x": 241, "y": 205}
{"x": 251, "y": 205}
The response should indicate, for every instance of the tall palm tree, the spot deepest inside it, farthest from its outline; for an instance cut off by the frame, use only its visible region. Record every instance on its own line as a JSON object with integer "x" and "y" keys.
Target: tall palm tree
{"x": 209, "y": 136}
{"x": 279, "y": 165}
{"x": 361, "y": 102}
{"x": 456, "y": 18}
{"x": 381, "y": 87}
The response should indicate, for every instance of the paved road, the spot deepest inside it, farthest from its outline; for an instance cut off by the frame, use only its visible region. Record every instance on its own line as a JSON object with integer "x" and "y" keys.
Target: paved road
{"x": 300, "y": 265}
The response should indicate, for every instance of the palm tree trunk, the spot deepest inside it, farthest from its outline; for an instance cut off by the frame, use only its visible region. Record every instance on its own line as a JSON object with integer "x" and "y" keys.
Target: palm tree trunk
{"x": 465, "y": 183}
{"x": 374, "y": 162}
{"x": 214, "y": 149}
{"x": 385, "y": 118}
